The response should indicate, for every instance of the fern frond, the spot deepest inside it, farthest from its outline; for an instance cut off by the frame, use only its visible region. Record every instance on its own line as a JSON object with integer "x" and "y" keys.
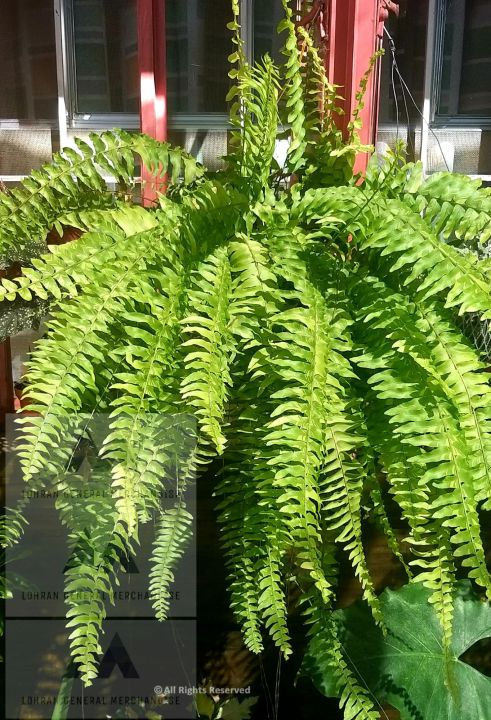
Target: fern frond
{"x": 237, "y": 58}
{"x": 209, "y": 347}
{"x": 244, "y": 602}
{"x": 341, "y": 490}
{"x": 293, "y": 92}
{"x": 74, "y": 180}
{"x": 326, "y": 646}
{"x": 355, "y": 121}
{"x": 252, "y": 531}
{"x": 98, "y": 543}
{"x": 66, "y": 268}
{"x": 247, "y": 498}
{"x": 173, "y": 533}
{"x": 296, "y": 430}
{"x": 460, "y": 366}
{"x": 455, "y": 206}
{"x": 425, "y": 332}
{"x": 429, "y": 541}
{"x": 338, "y": 211}
{"x": 329, "y": 160}
{"x": 90, "y": 577}
{"x": 438, "y": 573}
{"x": 426, "y": 422}
{"x": 256, "y": 126}
{"x": 242, "y": 520}
{"x": 12, "y": 526}
{"x": 62, "y": 372}
{"x": 457, "y": 505}
{"x": 425, "y": 262}
{"x": 141, "y": 434}
{"x": 271, "y": 602}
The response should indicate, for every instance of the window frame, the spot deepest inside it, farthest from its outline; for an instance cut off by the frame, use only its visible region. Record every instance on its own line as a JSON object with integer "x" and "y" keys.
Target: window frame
{"x": 451, "y": 120}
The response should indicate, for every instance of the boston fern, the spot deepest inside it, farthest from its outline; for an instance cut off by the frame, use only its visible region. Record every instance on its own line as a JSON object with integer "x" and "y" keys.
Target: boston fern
{"x": 308, "y": 321}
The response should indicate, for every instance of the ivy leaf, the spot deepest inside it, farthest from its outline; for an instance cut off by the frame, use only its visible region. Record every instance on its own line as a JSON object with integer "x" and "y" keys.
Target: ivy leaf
{"x": 204, "y": 705}
{"x": 235, "y": 710}
{"x": 409, "y": 668}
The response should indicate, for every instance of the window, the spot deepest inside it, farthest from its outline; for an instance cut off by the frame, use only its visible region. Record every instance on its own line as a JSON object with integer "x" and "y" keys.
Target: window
{"x": 408, "y": 32}
{"x": 267, "y": 15}
{"x": 28, "y": 60}
{"x": 198, "y": 45}
{"x": 451, "y": 85}
{"x": 106, "y": 56}
{"x": 102, "y": 36}
{"x": 464, "y": 87}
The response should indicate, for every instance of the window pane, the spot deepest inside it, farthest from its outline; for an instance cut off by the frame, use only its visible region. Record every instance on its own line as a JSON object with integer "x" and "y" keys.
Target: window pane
{"x": 267, "y": 15}
{"x": 408, "y": 32}
{"x": 198, "y": 45}
{"x": 106, "y": 56}
{"x": 466, "y": 69}
{"x": 27, "y": 60}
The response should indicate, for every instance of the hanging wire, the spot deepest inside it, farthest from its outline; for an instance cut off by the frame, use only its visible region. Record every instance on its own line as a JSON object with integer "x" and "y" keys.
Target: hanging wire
{"x": 395, "y": 71}
{"x": 404, "y": 87}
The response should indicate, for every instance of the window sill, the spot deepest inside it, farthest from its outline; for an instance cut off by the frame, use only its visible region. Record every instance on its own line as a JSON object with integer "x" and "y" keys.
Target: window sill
{"x": 130, "y": 121}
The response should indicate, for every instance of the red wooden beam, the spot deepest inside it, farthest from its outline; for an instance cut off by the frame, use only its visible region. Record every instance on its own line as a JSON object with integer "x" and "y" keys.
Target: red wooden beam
{"x": 153, "y": 84}
{"x": 160, "y": 70}
{"x": 352, "y": 37}
{"x": 6, "y": 383}
{"x": 353, "y": 29}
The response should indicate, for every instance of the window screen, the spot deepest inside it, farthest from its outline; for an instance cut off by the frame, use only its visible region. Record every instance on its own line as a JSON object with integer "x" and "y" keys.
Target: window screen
{"x": 465, "y": 83}
{"x": 198, "y": 45}
{"x": 27, "y": 60}
{"x": 106, "y": 55}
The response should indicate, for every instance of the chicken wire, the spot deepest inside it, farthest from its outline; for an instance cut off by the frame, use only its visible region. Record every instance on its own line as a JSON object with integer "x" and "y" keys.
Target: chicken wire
{"x": 474, "y": 327}
{"x": 479, "y": 333}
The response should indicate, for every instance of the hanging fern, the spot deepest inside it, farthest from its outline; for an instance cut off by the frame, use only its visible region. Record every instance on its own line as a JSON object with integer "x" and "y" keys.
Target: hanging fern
{"x": 312, "y": 331}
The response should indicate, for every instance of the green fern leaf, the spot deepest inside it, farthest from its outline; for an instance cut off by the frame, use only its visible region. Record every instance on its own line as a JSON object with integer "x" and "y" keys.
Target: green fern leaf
{"x": 173, "y": 533}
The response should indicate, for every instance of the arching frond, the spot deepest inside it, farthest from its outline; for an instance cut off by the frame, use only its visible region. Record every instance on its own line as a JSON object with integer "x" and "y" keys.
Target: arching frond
{"x": 173, "y": 532}
{"x": 293, "y": 92}
{"x": 455, "y": 206}
{"x": 209, "y": 347}
{"x": 74, "y": 180}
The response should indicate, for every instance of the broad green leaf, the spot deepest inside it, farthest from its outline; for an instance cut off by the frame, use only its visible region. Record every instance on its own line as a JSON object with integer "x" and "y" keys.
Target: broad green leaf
{"x": 410, "y": 668}
{"x": 234, "y": 709}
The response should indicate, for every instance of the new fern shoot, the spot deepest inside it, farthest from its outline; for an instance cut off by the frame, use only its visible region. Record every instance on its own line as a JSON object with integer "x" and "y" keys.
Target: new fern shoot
{"x": 312, "y": 329}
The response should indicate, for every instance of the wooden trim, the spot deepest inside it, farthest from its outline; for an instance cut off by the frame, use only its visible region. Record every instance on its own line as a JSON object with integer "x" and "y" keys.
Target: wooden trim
{"x": 6, "y": 383}
{"x": 353, "y": 29}
{"x": 152, "y": 63}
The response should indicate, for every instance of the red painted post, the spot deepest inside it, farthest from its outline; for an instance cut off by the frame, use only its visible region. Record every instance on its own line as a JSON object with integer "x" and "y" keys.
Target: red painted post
{"x": 352, "y": 37}
{"x": 153, "y": 84}
{"x": 354, "y": 29}
{"x": 145, "y": 66}
{"x": 6, "y": 383}
{"x": 160, "y": 70}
